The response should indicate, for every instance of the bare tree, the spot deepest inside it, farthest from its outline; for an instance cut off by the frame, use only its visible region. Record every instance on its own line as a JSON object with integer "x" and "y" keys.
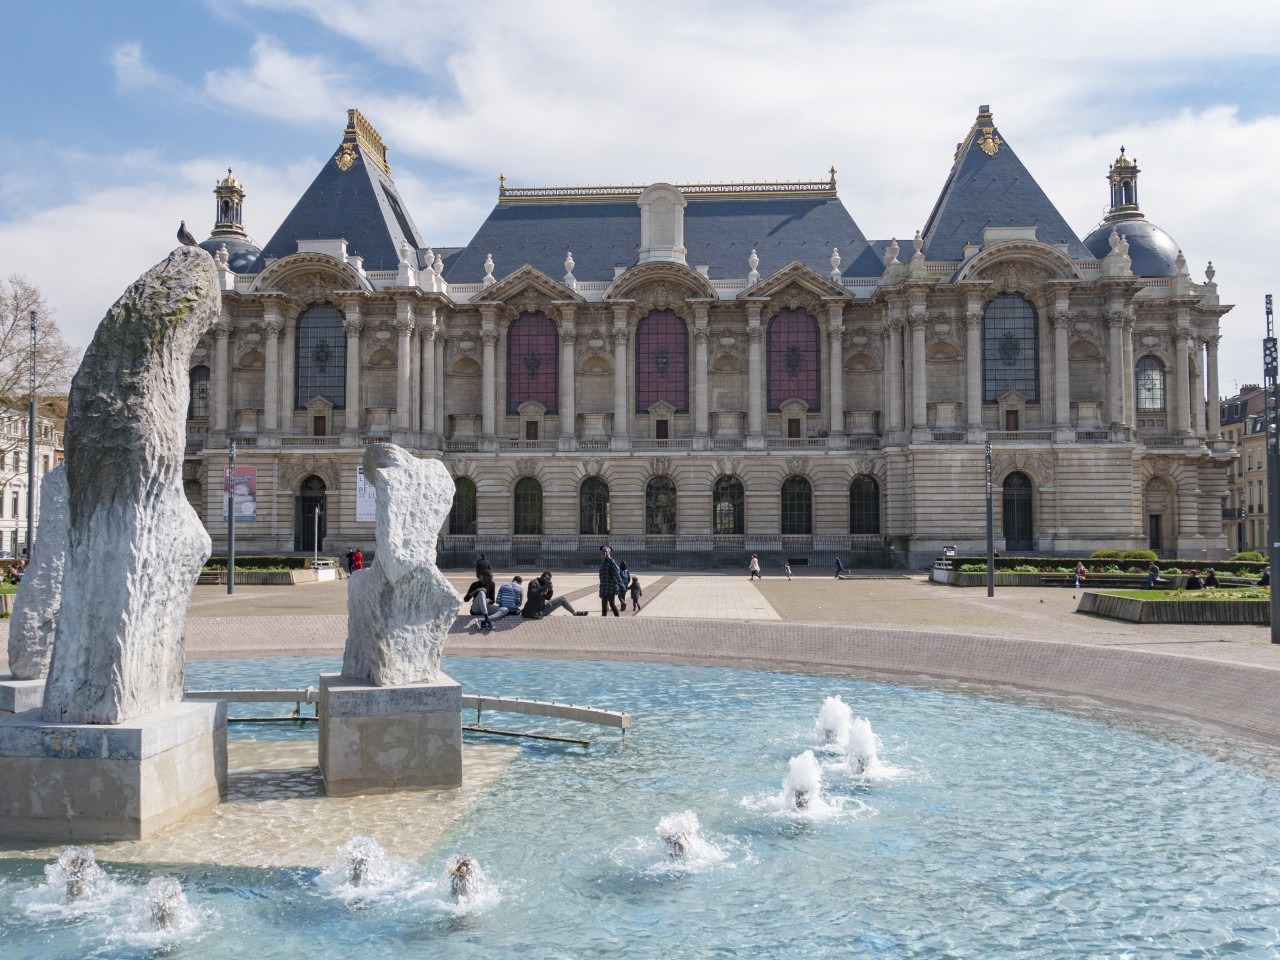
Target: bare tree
{"x": 55, "y": 359}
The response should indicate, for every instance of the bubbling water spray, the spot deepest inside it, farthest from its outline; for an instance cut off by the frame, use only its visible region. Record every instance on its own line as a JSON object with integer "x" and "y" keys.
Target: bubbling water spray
{"x": 361, "y": 861}
{"x": 863, "y": 750}
{"x": 802, "y": 786}
{"x": 77, "y": 871}
{"x": 834, "y": 719}
{"x": 464, "y": 875}
{"x": 167, "y": 903}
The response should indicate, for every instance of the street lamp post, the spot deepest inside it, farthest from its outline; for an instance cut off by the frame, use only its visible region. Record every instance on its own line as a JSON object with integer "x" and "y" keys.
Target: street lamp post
{"x": 31, "y": 446}
{"x": 1270, "y": 370}
{"x": 231, "y": 518}
{"x": 991, "y": 532}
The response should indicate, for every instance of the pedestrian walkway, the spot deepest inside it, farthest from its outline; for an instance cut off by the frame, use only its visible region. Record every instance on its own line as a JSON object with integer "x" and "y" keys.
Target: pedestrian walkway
{"x": 710, "y": 598}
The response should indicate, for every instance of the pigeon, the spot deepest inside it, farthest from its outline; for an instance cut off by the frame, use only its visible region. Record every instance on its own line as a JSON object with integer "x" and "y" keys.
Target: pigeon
{"x": 184, "y": 235}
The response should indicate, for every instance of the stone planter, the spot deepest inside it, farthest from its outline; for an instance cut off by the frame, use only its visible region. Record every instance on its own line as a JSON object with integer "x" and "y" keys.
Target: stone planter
{"x": 1175, "y": 611}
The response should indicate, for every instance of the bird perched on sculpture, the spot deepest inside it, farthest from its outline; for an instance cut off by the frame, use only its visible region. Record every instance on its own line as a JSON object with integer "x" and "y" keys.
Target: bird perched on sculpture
{"x": 184, "y": 235}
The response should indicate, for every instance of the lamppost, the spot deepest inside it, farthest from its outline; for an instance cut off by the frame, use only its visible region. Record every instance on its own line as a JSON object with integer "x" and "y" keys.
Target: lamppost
{"x": 31, "y": 445}
{"x": 1270, "y": 369}
{"x": 231, "y": 517}
{"x": 991, "y": 532}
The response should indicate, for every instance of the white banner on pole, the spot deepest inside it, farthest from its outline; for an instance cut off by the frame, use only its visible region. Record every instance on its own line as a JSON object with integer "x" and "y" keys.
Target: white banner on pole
{"x": 366, "y": 502}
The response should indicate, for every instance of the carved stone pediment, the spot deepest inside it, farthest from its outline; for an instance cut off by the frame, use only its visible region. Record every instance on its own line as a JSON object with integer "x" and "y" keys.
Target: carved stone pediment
{"x": 794, "y": 285}
{"x": 1019, "y": 266}
{"x": 311, "y": 278}
{"x": 527, "y": 290}
{"x": 660, "y": 286}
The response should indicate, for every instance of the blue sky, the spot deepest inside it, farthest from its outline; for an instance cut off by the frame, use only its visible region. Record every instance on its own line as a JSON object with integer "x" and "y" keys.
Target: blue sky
{"x": 121, "y": 117}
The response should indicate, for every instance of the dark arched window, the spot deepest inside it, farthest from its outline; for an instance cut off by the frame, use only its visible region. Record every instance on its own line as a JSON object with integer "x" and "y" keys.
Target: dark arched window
{"x": 528, "y": 508}
{"x": 1010, "y": 348}
{"x": 864, "y": 505}
{"x": 797, "y": 507}
{"x": 662, "y": 361}
{"x": 462, "y": 516}
{"x": 660, "y": 506}
{"x": 321, "y": 356}
{"x": 1150, "y": 385}
{"x": 198, "y": 407}
{"x": 794, "y": 360}
{"x": 533, "y": 362}
{"x": 1016, "y": 512}
{"x": 593, "y": 506}
{"x": 728, "y": 513}
{"x": 309, "y": 515}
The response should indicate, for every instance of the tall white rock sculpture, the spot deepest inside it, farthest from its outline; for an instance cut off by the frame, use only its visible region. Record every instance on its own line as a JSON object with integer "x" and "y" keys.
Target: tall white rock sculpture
{"x": 134, "y": 545}
{"x": 401, "y": 606}
{"x": 35, "y": 608}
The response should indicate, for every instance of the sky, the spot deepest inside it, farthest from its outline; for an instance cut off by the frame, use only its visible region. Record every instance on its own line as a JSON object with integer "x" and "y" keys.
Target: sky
{"x": 120, "y": 118}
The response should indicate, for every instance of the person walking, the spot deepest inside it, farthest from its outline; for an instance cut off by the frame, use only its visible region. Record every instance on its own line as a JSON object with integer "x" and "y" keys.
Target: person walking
{"x": 839, "y": 567}
{"x": 636, "y": 594}
{"x": 351, "y": 560}
{"x": 357, "y": 560}
{"x": 753, "y": 568}
{"x": 610, "y": 583}
{"x": 483, "y": 595}
{"x": 625, "y": 574}
{"x": 483, "y": 566}
{"x": 786, "y": 568}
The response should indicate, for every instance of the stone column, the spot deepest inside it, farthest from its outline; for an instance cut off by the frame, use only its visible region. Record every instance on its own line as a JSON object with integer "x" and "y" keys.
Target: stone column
{"x": 621, "y": 439}
{"x": 221, "y": 370}
{"x": 973, "y": 374}
{"x": 701, "y": 385}
{"x": 404, "y": 366}
{"x": 893, "y": 374}
{"x": 835, "y": 350}
{"x": 755, "y": 377}
{"x": 442, "y": 420}
{"x": 1211, "y": 372}
{"x": 272, "y": 325}
{"x": 1115, "y": 384}
{"x": 353, "y": 323}
{"x": 568, "y": 398}
{"x": 289, "y": 370}
{"x": 426, "y": 372}
{"x": 488, "y": 388}
{"x": 919, "y": 392}
{"x": 1061, "y": 321}
{"x": 1130, "y": 384}
{"x": 1196, "y": 376}
{"x": 1181, "y": 399}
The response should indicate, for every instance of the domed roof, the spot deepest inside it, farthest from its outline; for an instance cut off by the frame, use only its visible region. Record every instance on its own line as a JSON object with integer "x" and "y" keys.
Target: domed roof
{"x": 1152, "y": 251}
{"x": 242, "y": 253}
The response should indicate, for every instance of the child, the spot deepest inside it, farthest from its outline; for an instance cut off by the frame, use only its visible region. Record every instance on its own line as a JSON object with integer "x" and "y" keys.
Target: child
{"x": 786, "y": 568}
{"x": 636, "y": 593}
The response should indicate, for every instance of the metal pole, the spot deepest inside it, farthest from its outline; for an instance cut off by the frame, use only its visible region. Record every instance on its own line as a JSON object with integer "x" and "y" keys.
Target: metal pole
{"x": 31, "y": 446}
{"x": 231, "y": 518}
{"x": 991, "y": 532}
{"x": 315, "y": 539}
{"x": 1270, "y": 369}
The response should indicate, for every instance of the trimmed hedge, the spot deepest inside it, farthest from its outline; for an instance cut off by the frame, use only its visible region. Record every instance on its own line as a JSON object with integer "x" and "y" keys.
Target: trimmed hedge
{"x": 1113, "y": 564}
{"x": 294, "y": 562}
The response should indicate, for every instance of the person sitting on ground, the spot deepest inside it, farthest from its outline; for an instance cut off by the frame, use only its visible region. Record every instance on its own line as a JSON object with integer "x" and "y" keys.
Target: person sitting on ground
{"x": 1153, "y": 575}
{"x": 483, "y": 596}
{"x": 1210, "y": 580}
{"x": 636, "y": 594}
{"x": 1194, "y": 582}
{"x": 510, "y": 597}
{"x": 542, "y": 601}
{"x": 610, "y": 583}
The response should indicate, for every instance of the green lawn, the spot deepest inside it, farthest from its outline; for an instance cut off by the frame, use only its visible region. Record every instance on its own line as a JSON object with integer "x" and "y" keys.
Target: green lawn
{"x": 8, "y": 588}
{"x": 1227, "y": 593}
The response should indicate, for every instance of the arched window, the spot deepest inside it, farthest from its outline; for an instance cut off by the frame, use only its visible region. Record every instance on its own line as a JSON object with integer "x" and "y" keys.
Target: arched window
{"x": 533, "y": 362}
{"x": 321, "y": 360}
{"x": 198, "y": 407}
{"x": 528, "y": 508}
{"x": 1150, "y": 385}
{"x": 593, "y": 506}
{"x": 793, "y": 360}
{"x": 864, "y": 505}
{"x": 728, "y": 514}
{"x": 660, "y": 506}
{"x": 462, "y": 515}
{"x": 1010, "y": 349}
{"x": 797, "y": 507}
{"x": 662, "y": 361}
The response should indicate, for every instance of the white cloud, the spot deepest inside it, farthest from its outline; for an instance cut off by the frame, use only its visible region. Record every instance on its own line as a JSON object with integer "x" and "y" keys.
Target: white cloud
{"x": 281, "y": 85}
{"x": 131, "y": 69}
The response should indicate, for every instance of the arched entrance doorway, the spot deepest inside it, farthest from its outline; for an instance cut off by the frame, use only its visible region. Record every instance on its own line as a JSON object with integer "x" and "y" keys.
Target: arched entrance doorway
{"x": 1016, "y": 512}
{"x": 1158, "y": 506}
{"x": 310, "y": 498}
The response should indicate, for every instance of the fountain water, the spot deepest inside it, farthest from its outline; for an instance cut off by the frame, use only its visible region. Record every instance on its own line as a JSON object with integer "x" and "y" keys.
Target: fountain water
{"x": 76, "y": 871}
{"x": 167, "y": 904}
{"x": 834, "y": 719}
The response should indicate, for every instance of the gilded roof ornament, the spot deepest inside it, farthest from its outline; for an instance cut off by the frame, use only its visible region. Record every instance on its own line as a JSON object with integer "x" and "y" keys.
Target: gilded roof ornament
{"x": 989, "y": 141}
{"x": 346, "y": 157}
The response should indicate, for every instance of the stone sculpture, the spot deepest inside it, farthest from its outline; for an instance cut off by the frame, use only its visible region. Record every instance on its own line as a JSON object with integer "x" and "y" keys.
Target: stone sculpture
{"x": 35, "y": 608}
{"x": 134, "y": 546}
{"x": 399, "y": 609}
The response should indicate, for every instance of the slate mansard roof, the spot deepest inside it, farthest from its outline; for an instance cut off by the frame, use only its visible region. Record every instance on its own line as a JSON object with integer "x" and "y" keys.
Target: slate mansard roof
{"x": 354, "y": 198}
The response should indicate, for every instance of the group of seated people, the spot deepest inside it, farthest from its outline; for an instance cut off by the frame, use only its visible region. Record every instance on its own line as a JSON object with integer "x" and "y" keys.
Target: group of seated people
{"x": 16, "y": 571}
{"x": 1196, "y": 581}
{"x": 490, "y": 602}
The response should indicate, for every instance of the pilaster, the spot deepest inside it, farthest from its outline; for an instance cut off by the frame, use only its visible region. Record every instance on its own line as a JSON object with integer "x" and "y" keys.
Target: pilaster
{"x": 353, "y": 323}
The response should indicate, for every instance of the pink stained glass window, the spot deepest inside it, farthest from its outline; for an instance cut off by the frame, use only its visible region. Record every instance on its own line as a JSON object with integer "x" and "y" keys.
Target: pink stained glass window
{"x": 533, "y": 362}
{"x": 794, "y": 360}
{"x": 662, "y": 361}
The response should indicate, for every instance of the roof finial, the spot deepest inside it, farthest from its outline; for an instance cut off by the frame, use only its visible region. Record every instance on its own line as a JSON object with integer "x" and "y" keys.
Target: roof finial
{"x": 1209, "y": 273}
{"x": 488, "y": 270}
{"x": 570, "y": 280}
{"x": 833, "y": 174}
{"x": 835, "y": 264}
{"x": 502, "y": 183}
{"x": 753, "y": 261}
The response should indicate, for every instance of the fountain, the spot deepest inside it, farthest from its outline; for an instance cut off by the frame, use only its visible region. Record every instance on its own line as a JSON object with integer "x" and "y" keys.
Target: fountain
{"x": 78, "y": 872}
{"x": 167, "y": 903}
{"x": 802, "y": 786}
{"x": 834, "y": 720}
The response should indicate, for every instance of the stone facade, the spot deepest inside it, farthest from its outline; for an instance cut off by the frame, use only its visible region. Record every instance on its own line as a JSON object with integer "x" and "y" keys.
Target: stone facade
{"x": 864, "y": 435}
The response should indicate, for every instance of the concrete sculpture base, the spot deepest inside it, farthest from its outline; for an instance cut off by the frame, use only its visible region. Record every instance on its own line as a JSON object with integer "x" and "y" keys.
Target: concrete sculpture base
{"x": 382, "y": 739}
{"x": 19, "y": 695}
{"x": 121, "y": 781}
